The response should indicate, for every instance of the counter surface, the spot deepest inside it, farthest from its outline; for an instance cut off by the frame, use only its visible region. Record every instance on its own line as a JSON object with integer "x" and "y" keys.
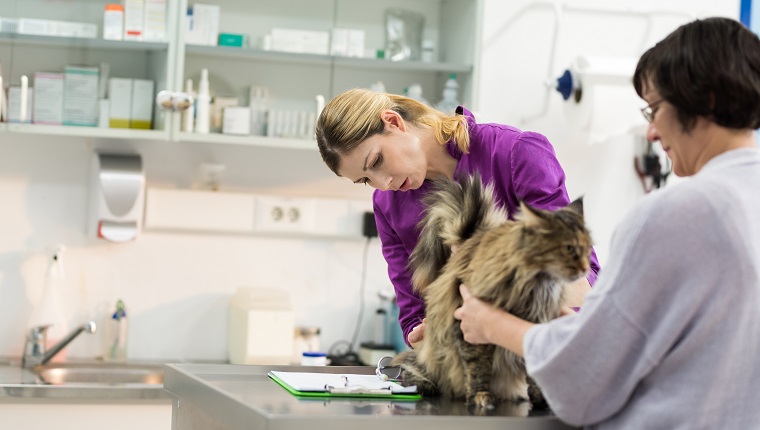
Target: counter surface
{"x": 236, "y": 397}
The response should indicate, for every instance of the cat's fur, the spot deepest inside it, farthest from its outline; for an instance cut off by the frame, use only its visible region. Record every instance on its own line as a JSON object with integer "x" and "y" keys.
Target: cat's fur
{"x": 519, "y": 265}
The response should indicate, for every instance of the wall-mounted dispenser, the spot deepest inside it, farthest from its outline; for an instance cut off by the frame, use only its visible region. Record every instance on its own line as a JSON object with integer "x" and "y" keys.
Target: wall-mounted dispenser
{"x": 117, "y": 196}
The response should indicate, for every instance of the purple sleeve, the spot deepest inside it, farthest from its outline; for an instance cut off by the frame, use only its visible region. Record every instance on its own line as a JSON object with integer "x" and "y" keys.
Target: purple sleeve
{"x": 539, "y": 180}
{"x": 411, "y": 306}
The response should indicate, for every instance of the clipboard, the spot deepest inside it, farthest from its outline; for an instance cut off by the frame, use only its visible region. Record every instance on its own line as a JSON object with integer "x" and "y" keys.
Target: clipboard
{"x": 306, "y": 384}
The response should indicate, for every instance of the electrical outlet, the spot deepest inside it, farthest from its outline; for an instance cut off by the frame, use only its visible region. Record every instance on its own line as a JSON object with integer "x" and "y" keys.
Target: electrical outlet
{"x": 284, "y": 215}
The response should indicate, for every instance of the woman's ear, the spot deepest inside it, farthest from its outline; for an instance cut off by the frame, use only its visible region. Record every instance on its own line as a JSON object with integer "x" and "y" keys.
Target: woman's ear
{"x": 392, "y": 120}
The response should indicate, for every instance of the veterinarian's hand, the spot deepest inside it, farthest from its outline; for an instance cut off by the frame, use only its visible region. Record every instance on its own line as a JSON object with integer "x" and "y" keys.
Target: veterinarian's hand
{"x": 474, "y": 317}
{"x": 417, "y": 334}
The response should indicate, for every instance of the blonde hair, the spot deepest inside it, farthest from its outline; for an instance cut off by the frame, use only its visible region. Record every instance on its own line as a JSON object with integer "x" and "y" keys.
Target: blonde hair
{"x": 353, "y": 116}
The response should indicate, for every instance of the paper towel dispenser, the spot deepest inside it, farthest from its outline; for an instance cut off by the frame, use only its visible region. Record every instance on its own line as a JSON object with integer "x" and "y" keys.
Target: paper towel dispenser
{"x": 117, "y": 196}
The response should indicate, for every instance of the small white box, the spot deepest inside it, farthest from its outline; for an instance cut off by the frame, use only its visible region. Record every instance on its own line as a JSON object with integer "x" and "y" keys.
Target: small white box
{"x": 134, "y": 17}
{"x": 141, "y": 112}
{"x": 154, "y": 22}
{"x": 80, "y": 100}
{"x": 202, "y": 24}
{"x": 237, "y": 120}
{"x": 300, "y": 41}
{"x": 120, "y": 102}
{"x": 347, "y": 42}
{"x": 14, "y": 104}
{"x": 46, "y": 27}
{"x": 48, "y": 98}
{"x": 8, "y": 25}
{"x": 261, "y": 327}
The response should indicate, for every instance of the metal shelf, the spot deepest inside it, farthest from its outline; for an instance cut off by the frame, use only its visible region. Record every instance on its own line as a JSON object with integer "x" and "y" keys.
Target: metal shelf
{"x": 80, "y": 42}
{"x": 289, "y": 57}
{"x": 65, "y": 130}
{"x": 262, "y": 141}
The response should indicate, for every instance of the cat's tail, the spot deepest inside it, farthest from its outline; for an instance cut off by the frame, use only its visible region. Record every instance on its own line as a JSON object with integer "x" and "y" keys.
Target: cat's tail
{"x": 454, "y": 212}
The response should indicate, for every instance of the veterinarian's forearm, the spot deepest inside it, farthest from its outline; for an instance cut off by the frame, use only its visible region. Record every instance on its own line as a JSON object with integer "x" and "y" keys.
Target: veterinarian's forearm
{"x": 575, "y": 292}
{"x": 508, "y": 331}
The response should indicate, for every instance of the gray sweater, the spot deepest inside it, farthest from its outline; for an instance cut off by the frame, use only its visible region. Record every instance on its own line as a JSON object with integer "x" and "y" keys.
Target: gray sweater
{"x": 669, "y": 338}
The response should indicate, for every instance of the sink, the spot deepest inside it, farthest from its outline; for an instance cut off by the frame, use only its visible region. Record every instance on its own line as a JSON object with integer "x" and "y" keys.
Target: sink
{"x": 100, "y": 374}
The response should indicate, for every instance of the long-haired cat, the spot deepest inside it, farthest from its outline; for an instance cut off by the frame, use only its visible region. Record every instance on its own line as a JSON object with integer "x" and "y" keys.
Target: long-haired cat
{"x": 519, "y": 265}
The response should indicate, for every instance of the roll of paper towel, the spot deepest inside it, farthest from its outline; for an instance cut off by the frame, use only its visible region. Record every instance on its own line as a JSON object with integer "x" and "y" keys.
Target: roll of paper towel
{"x": 605, "y": 104}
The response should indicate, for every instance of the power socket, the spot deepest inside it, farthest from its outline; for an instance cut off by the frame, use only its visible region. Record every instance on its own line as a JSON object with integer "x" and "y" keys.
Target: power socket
{"x": 369, "y": 227}
{"x": 287, "y": 215}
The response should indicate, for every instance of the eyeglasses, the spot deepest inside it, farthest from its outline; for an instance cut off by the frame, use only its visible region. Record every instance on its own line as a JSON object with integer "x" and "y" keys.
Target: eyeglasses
{"x": 650, "y": 110}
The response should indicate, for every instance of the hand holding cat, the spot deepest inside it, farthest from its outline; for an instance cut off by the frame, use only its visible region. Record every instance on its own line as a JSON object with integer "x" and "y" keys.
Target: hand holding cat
{"x": 417, "y": 334}
{"x": 483, "y": 323}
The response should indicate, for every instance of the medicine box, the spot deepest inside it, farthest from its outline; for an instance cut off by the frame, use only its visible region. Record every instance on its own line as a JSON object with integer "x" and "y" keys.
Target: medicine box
{"x": 154, "y": 22}
{"x": 237, "y": 120}
{"x": 141, "y": 115}
{"x": 120, "y": 102}
{"x": 134, "y": 18}
{"x": 8, "y": 25}
{"x": 46, "y": 27}
{"x": 300, "y": 41}
{"x": 80, "y": 99}
{"x": 202, "y": 24}
{"x": 48, "y": 98}
{"x": 14, "y": 104}
{"x": 231, "y": 39}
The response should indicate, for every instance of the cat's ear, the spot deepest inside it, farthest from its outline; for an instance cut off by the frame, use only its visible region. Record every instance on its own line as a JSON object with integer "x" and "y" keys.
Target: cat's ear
{"x": 577, "y": 206}
{"x": 530, "y": 216}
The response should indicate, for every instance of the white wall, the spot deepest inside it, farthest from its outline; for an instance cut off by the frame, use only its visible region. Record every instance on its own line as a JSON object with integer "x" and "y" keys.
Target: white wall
{"x": 515, "y": 62}
{"x": 177, "y": 285}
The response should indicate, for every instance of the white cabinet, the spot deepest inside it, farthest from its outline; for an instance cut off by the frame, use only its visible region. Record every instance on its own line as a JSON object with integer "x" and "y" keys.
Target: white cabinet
{"x": 293, "y": 80}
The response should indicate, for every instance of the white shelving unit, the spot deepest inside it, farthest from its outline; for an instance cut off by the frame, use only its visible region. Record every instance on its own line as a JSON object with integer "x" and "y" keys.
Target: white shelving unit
{"x": 293, "y": 79}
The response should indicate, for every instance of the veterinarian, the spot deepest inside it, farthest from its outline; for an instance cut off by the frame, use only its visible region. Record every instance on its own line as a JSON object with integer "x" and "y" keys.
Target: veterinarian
{"x": 398, "y": 145}
{"x": 669, "y": 336}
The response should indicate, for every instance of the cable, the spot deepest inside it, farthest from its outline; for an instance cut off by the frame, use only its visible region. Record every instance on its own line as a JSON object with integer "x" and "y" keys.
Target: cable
{"x": 349, "y": 357}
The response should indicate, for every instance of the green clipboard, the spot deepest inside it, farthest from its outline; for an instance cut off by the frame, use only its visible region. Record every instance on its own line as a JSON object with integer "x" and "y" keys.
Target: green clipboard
{"x": 291, "y": 381}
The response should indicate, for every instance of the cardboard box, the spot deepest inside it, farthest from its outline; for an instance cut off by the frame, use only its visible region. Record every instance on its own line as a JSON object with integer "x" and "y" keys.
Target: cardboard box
{"x": 80, "y": 100}
{"x": 120, "y": 102}
{"x": 48, "y": 98}
{"x": 142, "y": 104}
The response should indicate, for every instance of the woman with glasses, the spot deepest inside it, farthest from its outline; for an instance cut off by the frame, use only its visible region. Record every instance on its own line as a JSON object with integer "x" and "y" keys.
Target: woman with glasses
{"x": 399, "y": 146}
{"x": 670, "y": 336}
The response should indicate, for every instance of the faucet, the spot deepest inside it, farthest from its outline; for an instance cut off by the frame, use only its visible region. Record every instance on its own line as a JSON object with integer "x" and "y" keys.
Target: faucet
{"x": 34, "y": 350}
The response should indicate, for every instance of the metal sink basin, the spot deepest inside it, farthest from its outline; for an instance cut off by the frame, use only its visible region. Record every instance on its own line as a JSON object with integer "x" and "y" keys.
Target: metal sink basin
{"x": 100, "y": 374}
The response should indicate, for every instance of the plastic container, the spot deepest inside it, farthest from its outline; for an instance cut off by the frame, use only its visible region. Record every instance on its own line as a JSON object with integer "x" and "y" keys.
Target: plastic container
{"x": 305, "y": 339}
{"x": 314, "y": 359}
{"x": 49, "y": 311}
{"x": 260, "y": 327}
{"x": 450, "y": 95}
{"x": 116, "y": 331}
{"x": 113, "y": 22}
{"x": 203, "y": 105}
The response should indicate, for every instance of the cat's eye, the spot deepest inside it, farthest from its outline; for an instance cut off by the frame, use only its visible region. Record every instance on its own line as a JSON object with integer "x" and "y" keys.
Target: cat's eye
{"x": 571, "y": 250}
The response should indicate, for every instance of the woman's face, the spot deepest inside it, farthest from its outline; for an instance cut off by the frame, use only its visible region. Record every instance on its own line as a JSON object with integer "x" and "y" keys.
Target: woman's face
{"x": 682, "y": 148}
{"x": 392, "y": 160}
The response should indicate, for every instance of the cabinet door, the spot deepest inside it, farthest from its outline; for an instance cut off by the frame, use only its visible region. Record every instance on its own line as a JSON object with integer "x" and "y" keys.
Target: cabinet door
{"x": 57, "y": 47}
{"x": 296, "y": 52}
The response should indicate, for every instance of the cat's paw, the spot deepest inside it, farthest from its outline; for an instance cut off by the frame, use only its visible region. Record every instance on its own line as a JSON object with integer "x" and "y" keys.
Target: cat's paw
{"x": 482, "y": 403}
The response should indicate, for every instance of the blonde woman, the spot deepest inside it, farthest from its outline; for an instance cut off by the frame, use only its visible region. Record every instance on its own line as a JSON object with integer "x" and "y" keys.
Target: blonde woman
{"x": 398, "y": 145}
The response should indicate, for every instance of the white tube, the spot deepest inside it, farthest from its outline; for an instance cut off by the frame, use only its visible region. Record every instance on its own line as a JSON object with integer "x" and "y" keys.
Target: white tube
{"x": 24, "y": 95}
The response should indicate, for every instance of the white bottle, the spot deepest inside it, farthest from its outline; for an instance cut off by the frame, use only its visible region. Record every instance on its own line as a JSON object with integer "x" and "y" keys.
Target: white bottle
{"x": 414, "y": 91}
{"x": 48, "y": 311}
{"x": 450, "y": 91}
{"x": 203, "y": 105}
{"x": 188, "y": 115}
{"x": 113, "y": 22}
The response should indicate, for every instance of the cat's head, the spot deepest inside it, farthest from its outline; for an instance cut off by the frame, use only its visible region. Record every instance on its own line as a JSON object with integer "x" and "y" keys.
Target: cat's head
{"x": 558, "y": 241}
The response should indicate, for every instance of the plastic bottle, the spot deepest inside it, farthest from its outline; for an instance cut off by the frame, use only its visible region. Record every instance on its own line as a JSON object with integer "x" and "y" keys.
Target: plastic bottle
{"x": 450, "y": 94}
{"x": 116, "y": 331}
{"x": 414, "y": 91}
{"x": 113, "y": 22}
{"x": 48, "y": 311}
{"x": 188, "y": 115}
{"x": 203, "y": 105}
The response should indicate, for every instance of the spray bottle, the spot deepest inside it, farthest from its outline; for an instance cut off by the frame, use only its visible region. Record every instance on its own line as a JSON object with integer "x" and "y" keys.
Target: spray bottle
{"x": 48, "y": 311}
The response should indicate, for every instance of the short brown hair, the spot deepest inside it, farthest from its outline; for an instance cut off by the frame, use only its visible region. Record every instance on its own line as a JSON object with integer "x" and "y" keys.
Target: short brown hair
{"x": 708, "y": 68}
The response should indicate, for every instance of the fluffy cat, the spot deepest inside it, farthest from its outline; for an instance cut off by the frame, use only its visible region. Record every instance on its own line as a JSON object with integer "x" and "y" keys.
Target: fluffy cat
{"x": 519, "y": 265}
